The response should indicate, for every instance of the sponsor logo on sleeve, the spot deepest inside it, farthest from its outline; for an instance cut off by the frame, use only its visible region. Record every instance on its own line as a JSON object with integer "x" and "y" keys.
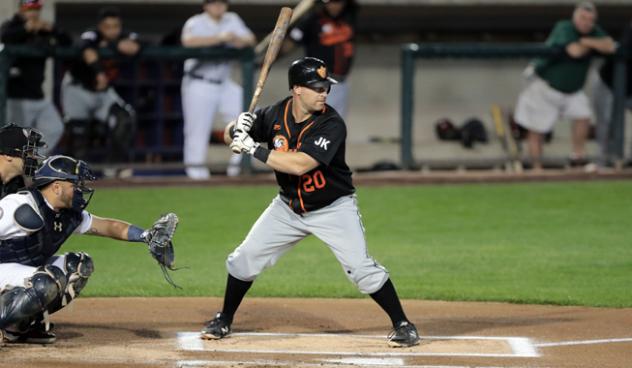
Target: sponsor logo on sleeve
{"x": 280, "y": 143}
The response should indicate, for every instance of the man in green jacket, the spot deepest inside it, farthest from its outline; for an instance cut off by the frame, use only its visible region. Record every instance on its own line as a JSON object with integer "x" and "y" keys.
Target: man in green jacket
{"x": 556, "y": 88}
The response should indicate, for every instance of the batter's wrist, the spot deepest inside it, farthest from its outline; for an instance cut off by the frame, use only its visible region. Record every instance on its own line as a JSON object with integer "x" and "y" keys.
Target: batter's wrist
{"x": 261, "y": 154}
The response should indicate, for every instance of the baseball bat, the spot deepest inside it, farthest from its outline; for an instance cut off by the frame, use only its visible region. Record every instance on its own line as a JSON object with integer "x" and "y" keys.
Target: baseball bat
{"x": 278, "y": 34}
{"x": 509, "y": 144}
{"x": 299, "y": 10}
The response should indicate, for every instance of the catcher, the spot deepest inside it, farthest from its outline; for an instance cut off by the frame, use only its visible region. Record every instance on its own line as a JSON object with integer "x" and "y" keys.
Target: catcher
{"x": 34, "y": 282}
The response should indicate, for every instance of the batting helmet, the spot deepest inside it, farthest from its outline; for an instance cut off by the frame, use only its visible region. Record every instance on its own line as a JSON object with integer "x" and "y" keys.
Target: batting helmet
{"x": 309, "y": 72}
{"x": 22, "y": 142}
{"x": 66, "y": 168}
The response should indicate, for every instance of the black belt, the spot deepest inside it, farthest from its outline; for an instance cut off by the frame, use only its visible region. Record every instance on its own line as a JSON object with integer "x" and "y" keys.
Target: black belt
{"x": 208, "y": 80}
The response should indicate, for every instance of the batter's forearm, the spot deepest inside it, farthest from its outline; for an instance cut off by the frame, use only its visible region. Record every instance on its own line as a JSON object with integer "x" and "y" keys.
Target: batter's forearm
{"x": 293, "y": 163}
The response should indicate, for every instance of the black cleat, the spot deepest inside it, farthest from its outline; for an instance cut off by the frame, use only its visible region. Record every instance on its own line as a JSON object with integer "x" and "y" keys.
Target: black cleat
{"x": 35, "y": 335}
{"x": 217, "y": 328}
{"x": 404, "y": 335}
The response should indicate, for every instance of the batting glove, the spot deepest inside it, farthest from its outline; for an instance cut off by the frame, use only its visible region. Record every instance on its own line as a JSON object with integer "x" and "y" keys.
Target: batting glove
{"x": 245, "y": 121}
{"x": 242, "y": 142}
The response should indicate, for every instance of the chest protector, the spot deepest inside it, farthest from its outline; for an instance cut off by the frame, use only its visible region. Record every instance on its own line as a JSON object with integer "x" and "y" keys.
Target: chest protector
{"x": 33, "y": 250}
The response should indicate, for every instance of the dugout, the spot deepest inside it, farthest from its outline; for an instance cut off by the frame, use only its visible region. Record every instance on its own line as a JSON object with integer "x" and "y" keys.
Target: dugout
{"x": 448, "y": 88}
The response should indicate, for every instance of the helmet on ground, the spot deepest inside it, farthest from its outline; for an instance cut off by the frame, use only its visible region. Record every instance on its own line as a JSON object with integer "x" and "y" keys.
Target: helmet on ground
{"x": 309, "y": 72}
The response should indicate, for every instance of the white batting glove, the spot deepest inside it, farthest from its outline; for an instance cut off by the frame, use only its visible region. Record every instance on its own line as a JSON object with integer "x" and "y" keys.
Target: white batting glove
{"x": 242, "y": 142}
{"x": 245, "y": 121}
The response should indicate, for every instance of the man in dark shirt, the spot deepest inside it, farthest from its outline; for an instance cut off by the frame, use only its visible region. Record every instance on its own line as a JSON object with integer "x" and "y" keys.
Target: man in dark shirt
{"x": 26, "y": 103}
{"x": 88, "y": 99}
{"x": 603, "y": 98}
{"x": 328, "y": 33}
{"x": 305, "y": 141}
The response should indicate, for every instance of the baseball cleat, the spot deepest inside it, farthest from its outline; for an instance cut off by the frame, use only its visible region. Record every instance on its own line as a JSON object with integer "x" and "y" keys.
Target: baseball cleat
{"x": 36, "y": 335}
{"x": 217, "y": 328}
{"x": 403, "y": 336}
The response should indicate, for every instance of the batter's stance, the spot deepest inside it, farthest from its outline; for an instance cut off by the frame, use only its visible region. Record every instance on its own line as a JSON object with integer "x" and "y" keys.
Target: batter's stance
{"x": 306, "y": 148}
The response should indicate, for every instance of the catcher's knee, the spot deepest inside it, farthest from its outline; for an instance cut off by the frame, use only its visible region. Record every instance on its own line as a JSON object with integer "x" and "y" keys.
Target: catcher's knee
{"x": 19, "y": 303}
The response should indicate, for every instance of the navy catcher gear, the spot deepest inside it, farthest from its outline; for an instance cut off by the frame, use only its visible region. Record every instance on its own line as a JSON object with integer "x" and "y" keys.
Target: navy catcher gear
{"x": 22, "y": 303}
{"x": 66, "y": 168}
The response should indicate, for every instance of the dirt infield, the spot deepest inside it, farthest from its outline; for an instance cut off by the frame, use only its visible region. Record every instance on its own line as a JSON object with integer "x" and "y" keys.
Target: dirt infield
{"x": 272, "y": 332}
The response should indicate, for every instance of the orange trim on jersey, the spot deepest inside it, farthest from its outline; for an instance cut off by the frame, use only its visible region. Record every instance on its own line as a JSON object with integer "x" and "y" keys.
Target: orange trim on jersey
{"x": 300, "y": 197}
{"x": 298, "y": 141}
{"x": 287, "y": 129}
{"x": 300, "y": 178}
{"x": 339, "y": 33}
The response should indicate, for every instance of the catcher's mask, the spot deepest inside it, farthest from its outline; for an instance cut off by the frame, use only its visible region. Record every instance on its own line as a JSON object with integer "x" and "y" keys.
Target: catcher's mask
{"x": 24, "y": 143}
{"x": 309, "y": 72}
{"x": 66, "y": 168}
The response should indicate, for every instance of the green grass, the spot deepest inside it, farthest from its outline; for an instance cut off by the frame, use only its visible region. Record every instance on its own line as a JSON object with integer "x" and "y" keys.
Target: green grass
{"x": 558, "y": 243}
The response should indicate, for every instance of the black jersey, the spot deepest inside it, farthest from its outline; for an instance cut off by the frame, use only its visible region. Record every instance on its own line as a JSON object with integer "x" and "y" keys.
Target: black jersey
{"x": 12, "y": 186}
{"x": 322, "y": 136}
{"x": 85, "y": 74}
{"x": 26, "y": 74}
{"x": 329, "y": 39}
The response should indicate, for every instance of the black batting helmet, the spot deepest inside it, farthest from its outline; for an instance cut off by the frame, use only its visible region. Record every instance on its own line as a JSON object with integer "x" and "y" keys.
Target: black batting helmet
{"x": 309, "y": 72}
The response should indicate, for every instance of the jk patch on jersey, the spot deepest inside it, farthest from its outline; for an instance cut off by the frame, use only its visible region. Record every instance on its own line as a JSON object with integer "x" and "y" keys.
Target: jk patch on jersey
{"x": 280, "y": 143}
{"x": 322, "y": 143}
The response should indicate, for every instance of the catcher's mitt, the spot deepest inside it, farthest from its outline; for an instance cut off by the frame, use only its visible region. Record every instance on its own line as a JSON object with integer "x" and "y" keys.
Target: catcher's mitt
{"x": 158, "y": 239}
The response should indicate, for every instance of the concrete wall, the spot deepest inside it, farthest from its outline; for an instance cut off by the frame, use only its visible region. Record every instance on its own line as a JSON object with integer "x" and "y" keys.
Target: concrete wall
{"x": 456, "y": 89}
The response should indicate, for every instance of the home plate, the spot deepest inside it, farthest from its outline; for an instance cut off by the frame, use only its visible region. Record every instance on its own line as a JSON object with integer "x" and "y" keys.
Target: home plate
{"x": 358, "y": 345}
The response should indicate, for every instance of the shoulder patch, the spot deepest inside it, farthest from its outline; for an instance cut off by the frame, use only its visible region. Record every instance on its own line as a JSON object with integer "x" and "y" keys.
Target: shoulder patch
{"x": 26, "y": 217}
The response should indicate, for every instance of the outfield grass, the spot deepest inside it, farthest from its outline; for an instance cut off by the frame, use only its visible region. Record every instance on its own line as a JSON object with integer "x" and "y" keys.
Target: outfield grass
{"x": 559, "y": 243}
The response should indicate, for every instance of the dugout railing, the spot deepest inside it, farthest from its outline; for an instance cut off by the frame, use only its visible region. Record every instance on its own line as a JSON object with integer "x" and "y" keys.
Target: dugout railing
{"x": 137, "y": 82}
{"x": 412, "y": 52}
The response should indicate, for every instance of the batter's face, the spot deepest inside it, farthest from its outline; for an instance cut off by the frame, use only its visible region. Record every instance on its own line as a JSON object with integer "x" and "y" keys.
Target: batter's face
{"x": 110, "y": 28}
{"x": 584, "y": 20}
{"x": 311, "y": 99}
{"x": 216, "y": 9}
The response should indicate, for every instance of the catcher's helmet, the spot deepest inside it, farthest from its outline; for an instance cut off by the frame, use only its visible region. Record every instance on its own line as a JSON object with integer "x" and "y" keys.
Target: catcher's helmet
{"x": 66, "y": 168}
{"x": 24, "y": 143}
{"x": 309, "y": 72}
{"x": 63, "y": 168}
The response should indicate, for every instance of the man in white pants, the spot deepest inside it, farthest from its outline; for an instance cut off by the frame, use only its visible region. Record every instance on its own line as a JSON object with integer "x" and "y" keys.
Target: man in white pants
{"x": 206, "y": 86}
{"x": 557, "y": 86}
